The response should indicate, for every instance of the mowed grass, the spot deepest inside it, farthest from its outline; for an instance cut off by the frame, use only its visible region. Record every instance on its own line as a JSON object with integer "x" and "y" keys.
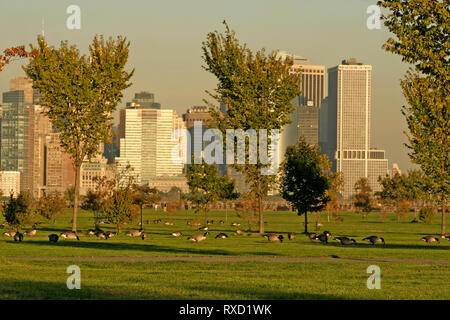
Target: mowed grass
{"x": 233, "y": 280}
{"x": 20, "y": 279}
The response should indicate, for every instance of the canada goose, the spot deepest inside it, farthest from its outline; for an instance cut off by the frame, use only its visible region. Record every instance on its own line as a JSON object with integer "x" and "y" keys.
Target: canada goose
{"x": 100, "y": 222}
{"x": 272, "y": 237}
{"x": 239, "y": 232}
{"x": 221, "y": 222}
{"x": 168, "y": 223}
{"x": 291, "y": 236}
{"x": 221, "y": 236}
{"x": 235, "y": 224}
{"x": 53, "y": 238}
{"x": 18, "y": 237}
{"x": 430, "y": 239}
{"x": 101, "y": 235}
{"x": 209, "y": 222}
{"x": 446, "y": 236}
{"x": 156, "y": 221}
{"x": 313, "y": 236}
{"x": 10, "y": 233}
{"x": 323, "y": 237}
{"x": 143, "y": 236}
{"x": 205, "y": 228}
{"x": 198, "y": 237}
{"x": 344, "y": 240}
{"x": 134, "y": 233}
{"x": 69, "y": 235}
{"x": 110, "y": 234}
{"x": 31, "y": 233}
{"x": 90, "y": 232}
{"x": 374, "y": 239}
{"x": 177, "y": 234}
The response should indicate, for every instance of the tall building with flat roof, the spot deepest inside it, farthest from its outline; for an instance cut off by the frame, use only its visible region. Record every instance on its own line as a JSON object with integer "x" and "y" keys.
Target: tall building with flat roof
{"x": 349, "y": 99}
{"x": 147, "y": 142}
{"x": 146, "y": 99}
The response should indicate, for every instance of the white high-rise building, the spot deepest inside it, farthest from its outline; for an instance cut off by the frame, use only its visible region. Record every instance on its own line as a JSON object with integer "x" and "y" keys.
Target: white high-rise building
{"x": 349, "y": 97}
{"x": 146, "y": 142}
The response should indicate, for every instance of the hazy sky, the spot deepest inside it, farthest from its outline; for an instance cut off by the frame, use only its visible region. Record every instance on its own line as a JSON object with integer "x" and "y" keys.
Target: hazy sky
{"x": 166, "y": 39}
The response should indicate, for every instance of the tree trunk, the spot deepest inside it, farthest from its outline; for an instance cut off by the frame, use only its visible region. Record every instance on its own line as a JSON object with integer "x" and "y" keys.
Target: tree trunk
{"x": 141, "y": 218}
{"x": 206, "y": 216}
{"x": 306, "y": 222}
{"x": 443, "y": 217}
{"x": 261, "y": 216}
{"x": 76, "y": 196}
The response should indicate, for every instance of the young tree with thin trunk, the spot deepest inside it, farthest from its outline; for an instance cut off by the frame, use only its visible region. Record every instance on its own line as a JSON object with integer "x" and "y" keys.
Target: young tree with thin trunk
{"x": 421, "y": 28}
{"x": 80, "y": 93}
{"x": 257, "y": 89}
{"x": 363, "y": 199}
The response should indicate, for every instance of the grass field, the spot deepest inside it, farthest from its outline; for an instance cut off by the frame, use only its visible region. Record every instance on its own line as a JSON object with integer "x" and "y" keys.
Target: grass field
{"x": 223, "y": 277}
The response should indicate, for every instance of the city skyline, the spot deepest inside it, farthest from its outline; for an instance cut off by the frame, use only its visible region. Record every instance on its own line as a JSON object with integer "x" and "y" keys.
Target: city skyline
{"x": 166, "y": 53}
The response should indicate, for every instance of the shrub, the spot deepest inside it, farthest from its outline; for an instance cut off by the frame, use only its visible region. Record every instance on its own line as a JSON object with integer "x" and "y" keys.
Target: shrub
{"x": 426, "y": 215}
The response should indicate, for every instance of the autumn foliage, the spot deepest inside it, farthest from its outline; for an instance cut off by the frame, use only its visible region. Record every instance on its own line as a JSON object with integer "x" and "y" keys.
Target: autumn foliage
{"x": 15, "y": 52}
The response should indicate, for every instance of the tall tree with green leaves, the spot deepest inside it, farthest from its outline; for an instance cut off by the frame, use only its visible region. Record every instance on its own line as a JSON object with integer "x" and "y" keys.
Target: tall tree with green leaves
{"x": 422, "y": 30}
{"x": 80, "y": 93}
{"x": 257, "y": 89}
{"x": 303, "y": 182}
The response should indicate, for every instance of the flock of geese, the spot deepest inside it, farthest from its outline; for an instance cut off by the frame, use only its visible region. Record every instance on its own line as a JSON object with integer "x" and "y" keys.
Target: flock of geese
{"x": 323, "y": 237}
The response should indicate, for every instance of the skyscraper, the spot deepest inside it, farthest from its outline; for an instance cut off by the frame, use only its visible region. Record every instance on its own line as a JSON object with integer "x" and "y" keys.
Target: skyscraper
{"x": 349, "y": 99}
{"x": 14, "y": 133}
{"x": 147, "y": 143}
{"x": 146, "y": 99}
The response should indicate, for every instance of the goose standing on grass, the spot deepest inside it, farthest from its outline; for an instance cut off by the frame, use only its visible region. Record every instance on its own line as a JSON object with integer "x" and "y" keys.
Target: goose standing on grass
{"x": 221, "y": 236}
{"x": 143, "y": 236}
{"x": 198, "y": 237}
{"x": 446, "y": 236}
{"x": 323, "y": 237}
{"x": 374, "y": 239}
{"x": 18, "y": 237}
{"x": 134, "y": 233}
{"x": 69, "y": 235}
{"x": 239, "y": 232}
{"x": 430, "y": 239}
{"x": 205, "y": 228}
{"x": 177, "y": 234}
{"x": 291, "y": 236}
{"x": 53, "y": 237}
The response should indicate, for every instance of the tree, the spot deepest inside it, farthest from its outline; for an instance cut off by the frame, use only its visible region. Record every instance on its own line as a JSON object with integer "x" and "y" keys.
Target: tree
{"x": 227, "y": 193}
{"x": 80, "y": 94}
{"x": 257, "y": 90}
{"x": 363, "y": 196}
{"x": 206, "y": 185}
{"x": 15, "y": 52}
{"x": 51, "y": 205}
{"x": 336, "y": 181}
{"x": 421, "y": 28}
{"x": 94, "y": 201}
{"x": 303, "y": 182}
{"x": 119, "y": 208}
{"x": 19, "y": 211}
{"x": 144, "y": 196}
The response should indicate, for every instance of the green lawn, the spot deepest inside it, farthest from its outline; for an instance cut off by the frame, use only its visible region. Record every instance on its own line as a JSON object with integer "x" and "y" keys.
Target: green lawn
{"x": 229, "y": 280}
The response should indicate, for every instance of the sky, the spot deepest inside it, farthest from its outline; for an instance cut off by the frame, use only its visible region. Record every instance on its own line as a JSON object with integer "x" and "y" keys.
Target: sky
{"x": 166, "y": 38}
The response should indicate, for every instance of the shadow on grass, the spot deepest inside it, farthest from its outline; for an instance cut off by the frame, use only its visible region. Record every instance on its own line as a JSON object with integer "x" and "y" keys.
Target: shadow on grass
{"x": 392, "y": 246}
{"x": 13, "y": 289}
{"x": 141, "y": 247}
